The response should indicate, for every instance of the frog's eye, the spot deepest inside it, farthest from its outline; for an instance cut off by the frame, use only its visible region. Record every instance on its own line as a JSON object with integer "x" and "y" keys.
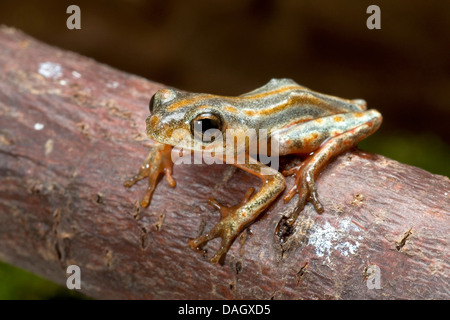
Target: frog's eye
{"x": 206, "y": 127}
{"x": 152, "y": 104}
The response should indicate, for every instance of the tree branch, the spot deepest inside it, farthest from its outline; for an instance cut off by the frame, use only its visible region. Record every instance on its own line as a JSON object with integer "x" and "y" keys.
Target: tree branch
{"x": 72, "y": 130}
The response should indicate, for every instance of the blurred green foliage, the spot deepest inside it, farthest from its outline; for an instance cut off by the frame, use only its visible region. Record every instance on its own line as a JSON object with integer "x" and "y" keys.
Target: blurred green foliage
{"x": 424, "y": 150}
{"x": 18, "y": 284}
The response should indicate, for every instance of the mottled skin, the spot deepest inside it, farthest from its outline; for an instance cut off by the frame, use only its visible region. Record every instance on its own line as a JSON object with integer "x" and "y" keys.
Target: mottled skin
{"x": 303, "y": 121}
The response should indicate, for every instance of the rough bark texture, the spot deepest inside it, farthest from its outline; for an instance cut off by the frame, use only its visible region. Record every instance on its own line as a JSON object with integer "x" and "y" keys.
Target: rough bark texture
{"x": 71, "y": 131}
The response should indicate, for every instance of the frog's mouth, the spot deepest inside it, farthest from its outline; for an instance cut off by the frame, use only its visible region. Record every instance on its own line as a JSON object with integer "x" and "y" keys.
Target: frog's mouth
{"x": 154, "y": 129}
{"x": 167, "y": 133}
{"x": 151, "y": 123}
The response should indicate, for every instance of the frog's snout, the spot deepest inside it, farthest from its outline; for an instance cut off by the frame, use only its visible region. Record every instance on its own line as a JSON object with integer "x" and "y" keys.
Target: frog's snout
{"x": 361, "y": 103}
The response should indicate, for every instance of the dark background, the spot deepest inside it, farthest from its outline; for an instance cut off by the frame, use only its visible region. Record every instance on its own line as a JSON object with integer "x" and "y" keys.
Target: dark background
{"x": 231, "y": 47}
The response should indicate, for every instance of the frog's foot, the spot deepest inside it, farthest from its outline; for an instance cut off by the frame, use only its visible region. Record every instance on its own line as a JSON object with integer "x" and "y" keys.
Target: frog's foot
{"x": 305, "y": 186}
{"x": 157, "y": 162}
{"x": 227, "y": 228}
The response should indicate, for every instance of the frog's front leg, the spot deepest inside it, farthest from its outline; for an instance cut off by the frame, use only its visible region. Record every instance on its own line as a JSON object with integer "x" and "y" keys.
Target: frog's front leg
{"x": 158, "y": 161}
{"x": 236, "y": 218}
{"x": 308, "y": 170}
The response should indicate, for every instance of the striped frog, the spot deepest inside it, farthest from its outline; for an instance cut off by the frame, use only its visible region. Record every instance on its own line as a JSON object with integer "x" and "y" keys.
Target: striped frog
{"x": 299, "y": 120}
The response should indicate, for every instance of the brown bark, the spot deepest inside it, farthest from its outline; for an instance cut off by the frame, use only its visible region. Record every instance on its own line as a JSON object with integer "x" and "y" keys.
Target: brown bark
{"x": 71, "y": 131}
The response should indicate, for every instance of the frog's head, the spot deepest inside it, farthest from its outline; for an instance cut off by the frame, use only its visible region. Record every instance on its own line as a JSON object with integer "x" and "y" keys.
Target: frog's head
{"x": 187, "y": 120}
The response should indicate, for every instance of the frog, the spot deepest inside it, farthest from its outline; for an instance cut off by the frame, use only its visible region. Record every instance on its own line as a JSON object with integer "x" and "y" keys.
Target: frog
{"x": 314, "y": 126}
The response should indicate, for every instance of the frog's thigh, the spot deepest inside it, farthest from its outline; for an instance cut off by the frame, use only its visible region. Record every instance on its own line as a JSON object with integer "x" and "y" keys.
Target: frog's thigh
{"x": 309, "y": 136}
{"x": 312, "y": 165}
{"x": 342, "y": 141}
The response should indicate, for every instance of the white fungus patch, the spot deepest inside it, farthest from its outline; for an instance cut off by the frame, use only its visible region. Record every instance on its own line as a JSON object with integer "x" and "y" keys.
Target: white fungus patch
{"x": 50, "y": 70}
{"x": 112, "y": 85}
{"x": 38, "y": 126}
{"x": 327, "y": 238}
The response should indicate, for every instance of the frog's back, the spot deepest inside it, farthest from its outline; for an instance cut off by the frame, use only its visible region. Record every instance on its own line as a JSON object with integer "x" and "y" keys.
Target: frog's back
{"x": 283, "y": 102}
{"x": 273, "y": 86}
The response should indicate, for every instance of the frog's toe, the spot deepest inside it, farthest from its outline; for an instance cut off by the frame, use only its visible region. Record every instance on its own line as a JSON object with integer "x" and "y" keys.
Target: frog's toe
{"x": 298, "y": 186}
{"x": 168, "y": 170}
{"x": 290, "y": 194}
{"x": 220, "y": 230}
{"x": 314, "y": 199}
{"x": 313, "y": 196}
{"x": 143, "y": 173}
{"x": 152, "y": 181}
{"x": 219, "y": 256}
{"x": 147, "y": 196}
{"x": 199, "y": 242}
{"x": 302, "y": 199}
{"x": 130, "y": 182}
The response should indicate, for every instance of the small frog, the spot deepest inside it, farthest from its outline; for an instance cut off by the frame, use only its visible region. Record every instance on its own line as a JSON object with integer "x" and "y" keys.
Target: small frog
{"x": 304, "y": 122}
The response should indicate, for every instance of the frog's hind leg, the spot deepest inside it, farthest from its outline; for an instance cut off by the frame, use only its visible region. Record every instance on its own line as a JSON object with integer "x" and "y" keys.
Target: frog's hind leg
{"x": 236, "y": 218}
{"x": 308, "y": 170}
{"x": 220, "y": 229}
{"x": 158, "y": 161}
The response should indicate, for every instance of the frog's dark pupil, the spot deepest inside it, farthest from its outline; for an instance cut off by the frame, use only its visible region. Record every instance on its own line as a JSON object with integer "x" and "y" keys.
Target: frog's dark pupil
{"x": 152, "y": 104}
{"x": 207, "y": 124}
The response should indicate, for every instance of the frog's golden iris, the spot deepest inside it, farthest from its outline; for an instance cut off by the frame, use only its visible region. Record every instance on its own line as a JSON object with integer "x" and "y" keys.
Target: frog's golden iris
{"x": 206, "y": 127}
